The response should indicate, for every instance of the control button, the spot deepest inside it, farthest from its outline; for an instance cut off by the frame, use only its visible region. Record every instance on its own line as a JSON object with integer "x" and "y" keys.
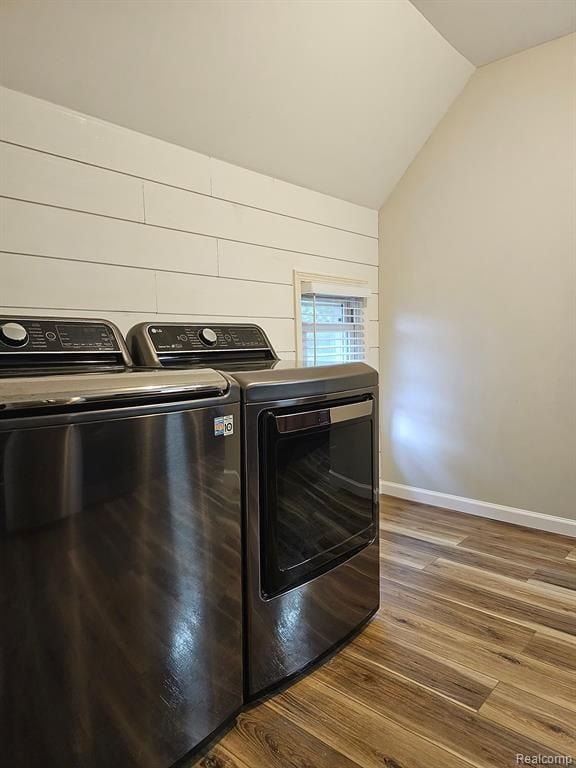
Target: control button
{"x": 183, "y": 337}
{"x": 13, "y": 334}
{"x": 208, "y": 336}
{"x": 51, "y": 336}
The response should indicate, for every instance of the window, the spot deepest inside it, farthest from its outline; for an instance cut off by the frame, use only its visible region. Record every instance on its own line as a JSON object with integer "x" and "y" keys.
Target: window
{"x": 332, "y": 321}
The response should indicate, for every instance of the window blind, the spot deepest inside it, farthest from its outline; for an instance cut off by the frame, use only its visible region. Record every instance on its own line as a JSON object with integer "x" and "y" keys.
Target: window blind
{"x": 333, "y": 329}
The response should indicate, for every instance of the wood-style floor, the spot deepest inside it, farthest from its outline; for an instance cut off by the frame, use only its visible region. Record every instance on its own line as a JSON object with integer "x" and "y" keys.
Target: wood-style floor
{"x": 471, "y": 659}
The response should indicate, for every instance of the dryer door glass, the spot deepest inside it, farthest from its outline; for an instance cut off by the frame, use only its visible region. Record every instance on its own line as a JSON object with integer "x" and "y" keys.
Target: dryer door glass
{"x": 318, "y": 491}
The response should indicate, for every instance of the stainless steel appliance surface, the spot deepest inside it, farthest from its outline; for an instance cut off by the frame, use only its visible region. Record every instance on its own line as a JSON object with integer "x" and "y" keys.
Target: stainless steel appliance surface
{"x": 120, "y": 551}
{"x": 310, "y": 441}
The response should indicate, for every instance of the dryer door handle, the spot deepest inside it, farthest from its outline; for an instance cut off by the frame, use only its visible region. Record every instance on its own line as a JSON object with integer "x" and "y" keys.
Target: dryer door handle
{"x": 296, "y": 422}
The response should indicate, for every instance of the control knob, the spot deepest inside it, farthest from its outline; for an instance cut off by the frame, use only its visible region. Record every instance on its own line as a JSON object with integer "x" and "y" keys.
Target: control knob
{"x": 13, "y": 334}
{"x": 208, "y": 336}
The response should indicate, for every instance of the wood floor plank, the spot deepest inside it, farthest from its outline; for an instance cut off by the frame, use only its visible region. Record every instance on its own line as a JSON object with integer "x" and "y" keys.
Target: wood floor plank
{"x": 560, "y": 565}
{"x": 552, "y": 650}
{"x": 521, "y": 543}
{"x": 405, "y": 507}
{"x": 410, "y": 516}
{"x": 264, "y": 737}
{"x": 533, "y": 536}
{"x": 403, "y": 554}
{"x": 445, "y": 676}
{"x": 560, "y": 577}
{"x": 220, "y": 758}
{"x": 550, "y": 724}
{"x": 464, "y": 619}
{"x": 420, "y": 531}
{"x": 554, "y": 589}
{"x": 454, "y": 728}
{"x": 514, "y": 531}
{"x": 429, "y": 551}
{"x": 370, "y": 739}
{"x": 457, "y": 521}
{"x": 420, "y": 635}
{"x": 531, "y": 616}
{"x": 467, "y": 522}
{"x": 532, "y": 593}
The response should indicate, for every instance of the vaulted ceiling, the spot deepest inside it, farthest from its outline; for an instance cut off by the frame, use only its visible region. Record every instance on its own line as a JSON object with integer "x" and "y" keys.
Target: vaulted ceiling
{"x": 334, "y": 95}
{"x": 486, "y": 30}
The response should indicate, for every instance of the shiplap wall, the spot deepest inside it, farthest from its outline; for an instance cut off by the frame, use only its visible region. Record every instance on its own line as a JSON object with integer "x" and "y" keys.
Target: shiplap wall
{"x": 97, "y": 220}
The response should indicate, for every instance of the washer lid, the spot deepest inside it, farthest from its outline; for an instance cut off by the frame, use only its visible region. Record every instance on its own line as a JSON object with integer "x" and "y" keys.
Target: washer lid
{"x": 122, "y": 388}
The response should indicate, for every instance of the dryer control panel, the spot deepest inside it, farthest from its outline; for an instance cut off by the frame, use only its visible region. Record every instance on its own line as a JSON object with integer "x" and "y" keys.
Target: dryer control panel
{"x": 197, "y": 338}
{"x": 176, "y": 344}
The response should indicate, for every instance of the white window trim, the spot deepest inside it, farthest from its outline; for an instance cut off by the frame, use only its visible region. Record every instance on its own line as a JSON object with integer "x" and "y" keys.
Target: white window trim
{"x": 328, "y": 282}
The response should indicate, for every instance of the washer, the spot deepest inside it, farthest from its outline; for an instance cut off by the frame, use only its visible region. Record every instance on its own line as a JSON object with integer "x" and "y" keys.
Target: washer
{"x": 310, "y": 442}
{"x": 120, "y": 551}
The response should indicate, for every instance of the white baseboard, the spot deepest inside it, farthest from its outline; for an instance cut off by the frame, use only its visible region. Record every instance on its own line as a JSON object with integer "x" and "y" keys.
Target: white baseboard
{"x": 481, "y": 508}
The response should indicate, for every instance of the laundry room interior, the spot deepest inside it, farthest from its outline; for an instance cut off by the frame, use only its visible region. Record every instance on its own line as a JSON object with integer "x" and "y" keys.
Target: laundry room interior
{"x": 287, "y": 383}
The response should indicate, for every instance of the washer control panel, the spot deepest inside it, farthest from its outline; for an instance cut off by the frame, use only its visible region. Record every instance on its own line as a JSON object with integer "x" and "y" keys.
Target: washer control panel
{"x": 171, "y": 338}
{"x": 38, "y": 335}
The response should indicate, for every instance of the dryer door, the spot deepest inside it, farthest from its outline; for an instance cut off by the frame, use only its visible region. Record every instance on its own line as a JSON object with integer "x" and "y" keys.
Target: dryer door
{"x": 318, "y": 490}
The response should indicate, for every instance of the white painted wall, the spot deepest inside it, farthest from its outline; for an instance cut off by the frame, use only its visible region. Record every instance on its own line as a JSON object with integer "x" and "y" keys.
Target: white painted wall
{"x": 478, "y": 298}
{"x": 98, "y": 220}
